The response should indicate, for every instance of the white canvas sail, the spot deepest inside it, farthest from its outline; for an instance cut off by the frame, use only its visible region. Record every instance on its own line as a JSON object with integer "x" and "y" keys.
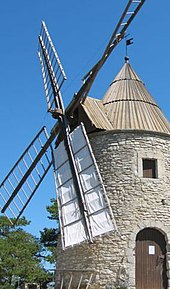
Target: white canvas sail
{"x": 99, "y": 216}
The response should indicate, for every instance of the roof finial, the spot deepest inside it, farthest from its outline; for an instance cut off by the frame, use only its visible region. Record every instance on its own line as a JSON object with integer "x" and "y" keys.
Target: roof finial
{"x": 126, "y": 59}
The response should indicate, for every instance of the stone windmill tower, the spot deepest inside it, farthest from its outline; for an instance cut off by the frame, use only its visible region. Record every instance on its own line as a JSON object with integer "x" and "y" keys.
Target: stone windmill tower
{"x": 130, "y": 137}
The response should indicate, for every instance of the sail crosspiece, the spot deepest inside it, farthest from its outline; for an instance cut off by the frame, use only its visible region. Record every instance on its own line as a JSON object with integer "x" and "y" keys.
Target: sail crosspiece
{"x": 19, "y": 186}
{"x": 52, "y": 71}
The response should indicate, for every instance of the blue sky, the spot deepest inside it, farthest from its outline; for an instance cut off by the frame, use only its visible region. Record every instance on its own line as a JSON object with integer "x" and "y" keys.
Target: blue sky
{"x": 80, "y": 31}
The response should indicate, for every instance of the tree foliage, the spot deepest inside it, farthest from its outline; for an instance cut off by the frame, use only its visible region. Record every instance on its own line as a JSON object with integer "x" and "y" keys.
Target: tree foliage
{"x": 49, "y": 236}
{"x": 52, "y": 209}
{"x": 20, "y": 255}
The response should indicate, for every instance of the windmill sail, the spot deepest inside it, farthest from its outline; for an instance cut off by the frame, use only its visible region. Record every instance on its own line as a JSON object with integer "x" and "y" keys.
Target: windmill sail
{"x": 81, "y": 194}
{"x": 129, "y": 13}
{"x": 52, "y": 71}
{"x": 99, "y": 218}
{"x": 20, "y": 184}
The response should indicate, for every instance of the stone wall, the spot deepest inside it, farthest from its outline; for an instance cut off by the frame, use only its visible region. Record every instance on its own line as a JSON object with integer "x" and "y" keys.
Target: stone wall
{"x": 136, "y": 202}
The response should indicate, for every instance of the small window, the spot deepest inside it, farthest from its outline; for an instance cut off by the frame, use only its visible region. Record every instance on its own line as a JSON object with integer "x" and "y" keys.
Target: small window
{"x": 150, "y": 168}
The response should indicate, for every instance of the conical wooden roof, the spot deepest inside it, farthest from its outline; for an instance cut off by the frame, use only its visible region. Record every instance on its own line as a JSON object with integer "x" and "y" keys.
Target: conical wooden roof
{"x": 128, "y": 105}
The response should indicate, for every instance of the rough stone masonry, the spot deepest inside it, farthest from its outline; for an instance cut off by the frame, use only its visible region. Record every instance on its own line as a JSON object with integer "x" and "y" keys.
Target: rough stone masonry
{"x": 137, "y": 203}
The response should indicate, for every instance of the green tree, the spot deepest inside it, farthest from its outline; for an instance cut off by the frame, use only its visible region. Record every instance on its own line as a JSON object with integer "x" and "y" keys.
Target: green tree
{"x": 49, "y": 236}
{"x": 52, "y": 209}
{"x": 20, "y": 255}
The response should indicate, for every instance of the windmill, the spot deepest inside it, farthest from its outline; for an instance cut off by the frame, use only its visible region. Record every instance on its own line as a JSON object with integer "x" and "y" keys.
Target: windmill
{"x": 84, "y": 209}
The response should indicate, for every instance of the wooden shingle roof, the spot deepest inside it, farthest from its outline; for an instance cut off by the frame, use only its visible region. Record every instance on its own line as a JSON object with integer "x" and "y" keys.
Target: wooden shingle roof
{"x": 95, "y": 111}
{"x": 127, "y": 105}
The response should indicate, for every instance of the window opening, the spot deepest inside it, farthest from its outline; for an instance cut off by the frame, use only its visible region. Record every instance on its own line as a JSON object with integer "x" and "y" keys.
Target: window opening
{"x": 150, "y": 168}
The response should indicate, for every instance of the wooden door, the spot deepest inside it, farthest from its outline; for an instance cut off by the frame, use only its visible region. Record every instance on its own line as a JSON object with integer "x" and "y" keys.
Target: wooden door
{"x": 150, "y": 260}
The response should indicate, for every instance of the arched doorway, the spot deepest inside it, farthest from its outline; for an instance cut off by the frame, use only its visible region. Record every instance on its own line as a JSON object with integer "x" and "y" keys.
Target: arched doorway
{"x": 150, "y": 261}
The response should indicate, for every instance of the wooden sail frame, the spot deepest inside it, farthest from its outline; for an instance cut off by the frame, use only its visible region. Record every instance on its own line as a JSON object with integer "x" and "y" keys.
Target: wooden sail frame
{"x": 54, "y": 77}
